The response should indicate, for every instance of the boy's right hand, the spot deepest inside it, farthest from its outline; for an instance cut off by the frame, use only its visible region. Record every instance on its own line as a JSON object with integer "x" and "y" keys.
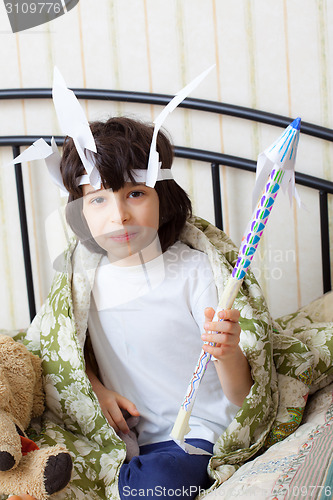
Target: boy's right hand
{"x": 111, "y": 404}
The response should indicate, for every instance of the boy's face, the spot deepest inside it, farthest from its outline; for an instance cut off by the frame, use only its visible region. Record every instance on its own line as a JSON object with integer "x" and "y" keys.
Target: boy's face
{"x": 122, "y": 222}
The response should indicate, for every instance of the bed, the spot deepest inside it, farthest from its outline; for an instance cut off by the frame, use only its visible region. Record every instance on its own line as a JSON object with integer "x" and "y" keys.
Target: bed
{"x": 299, "y": 466}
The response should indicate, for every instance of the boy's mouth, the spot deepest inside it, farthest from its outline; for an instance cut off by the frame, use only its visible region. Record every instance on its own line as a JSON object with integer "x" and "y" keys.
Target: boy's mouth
{"x": 123, "y": 237}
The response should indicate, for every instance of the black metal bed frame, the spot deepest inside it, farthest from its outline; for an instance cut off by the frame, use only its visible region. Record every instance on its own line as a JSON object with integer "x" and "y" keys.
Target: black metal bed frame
{"x": 324, "y": 187}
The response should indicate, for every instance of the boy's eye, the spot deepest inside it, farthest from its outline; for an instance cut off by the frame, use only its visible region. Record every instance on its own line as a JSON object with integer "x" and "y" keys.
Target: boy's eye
{"x": 136, "y": 194}
{"x": 97, "y": 201}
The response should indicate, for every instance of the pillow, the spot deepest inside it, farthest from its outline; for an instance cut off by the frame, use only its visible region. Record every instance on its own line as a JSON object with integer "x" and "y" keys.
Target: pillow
{"x": 313, "y": 325}
{"x": 298, "y": 467}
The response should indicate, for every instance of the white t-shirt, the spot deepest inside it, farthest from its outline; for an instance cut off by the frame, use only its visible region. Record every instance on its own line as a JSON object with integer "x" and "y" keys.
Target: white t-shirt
{"x": 145, "y": 326}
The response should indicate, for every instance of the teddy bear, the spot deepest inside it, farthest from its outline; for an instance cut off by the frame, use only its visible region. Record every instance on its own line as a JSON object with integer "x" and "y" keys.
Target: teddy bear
{"x": 24, "y": 468}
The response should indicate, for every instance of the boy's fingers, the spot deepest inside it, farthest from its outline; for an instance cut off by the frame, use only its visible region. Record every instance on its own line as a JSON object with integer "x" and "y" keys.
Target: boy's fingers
{"x": 226, "y": 314}
{"x": 209, "y": 314}
{"x": 115, "y": 416}
{"x": 126, "y": 404}
{"x": 218, "y": 338}
{"x": 221, "y": 328}
{"x": 229, "y": 315}
{"x": 225, "y": 327}
{"x": 117, "y": 421}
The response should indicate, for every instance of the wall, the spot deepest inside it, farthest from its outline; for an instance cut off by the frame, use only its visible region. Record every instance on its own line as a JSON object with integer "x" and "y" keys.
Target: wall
{"x": 274, "y": 55}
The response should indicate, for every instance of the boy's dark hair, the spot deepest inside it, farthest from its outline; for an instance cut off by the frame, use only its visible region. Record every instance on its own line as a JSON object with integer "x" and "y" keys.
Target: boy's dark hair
{"x": 123, "y": 144}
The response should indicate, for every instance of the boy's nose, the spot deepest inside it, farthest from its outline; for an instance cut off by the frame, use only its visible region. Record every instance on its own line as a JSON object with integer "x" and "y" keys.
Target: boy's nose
{"x": 119, "y": 213}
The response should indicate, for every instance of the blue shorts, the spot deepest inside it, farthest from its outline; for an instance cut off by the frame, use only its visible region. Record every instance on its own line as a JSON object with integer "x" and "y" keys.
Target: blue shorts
{"x": 164, "y": 470}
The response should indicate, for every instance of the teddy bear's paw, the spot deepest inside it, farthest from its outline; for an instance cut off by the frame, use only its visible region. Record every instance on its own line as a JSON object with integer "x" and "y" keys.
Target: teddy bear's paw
{"x": 57, "y": 473}
{"x": 7, "y": 461}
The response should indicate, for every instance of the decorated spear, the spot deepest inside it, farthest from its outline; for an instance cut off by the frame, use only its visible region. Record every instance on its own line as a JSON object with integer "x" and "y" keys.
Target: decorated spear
{"x": 277, "y": 163}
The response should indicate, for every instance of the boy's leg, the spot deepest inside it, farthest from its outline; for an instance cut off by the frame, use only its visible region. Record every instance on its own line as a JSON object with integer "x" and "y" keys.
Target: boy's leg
{"x": 164, "y": 470}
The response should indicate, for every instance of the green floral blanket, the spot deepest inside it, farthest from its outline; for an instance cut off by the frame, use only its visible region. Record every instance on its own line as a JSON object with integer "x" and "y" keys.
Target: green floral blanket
{"x": 288, "y": 359}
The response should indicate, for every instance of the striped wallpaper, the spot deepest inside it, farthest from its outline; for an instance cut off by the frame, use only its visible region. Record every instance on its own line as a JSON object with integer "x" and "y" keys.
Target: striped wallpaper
{"x": 274, "y": 55}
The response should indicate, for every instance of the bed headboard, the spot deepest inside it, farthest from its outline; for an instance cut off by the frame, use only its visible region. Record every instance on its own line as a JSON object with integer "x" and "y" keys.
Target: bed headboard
{"x": 215, "y": 159}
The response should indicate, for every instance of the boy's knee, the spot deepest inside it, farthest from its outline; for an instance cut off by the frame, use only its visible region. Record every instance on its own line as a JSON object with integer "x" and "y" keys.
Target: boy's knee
{"x": 163, "y": 475}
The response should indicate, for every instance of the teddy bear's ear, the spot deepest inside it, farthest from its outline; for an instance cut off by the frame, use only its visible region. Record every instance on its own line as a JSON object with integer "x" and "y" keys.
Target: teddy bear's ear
{"x": 4, "y": 389}
{"x": 38, "y": 396}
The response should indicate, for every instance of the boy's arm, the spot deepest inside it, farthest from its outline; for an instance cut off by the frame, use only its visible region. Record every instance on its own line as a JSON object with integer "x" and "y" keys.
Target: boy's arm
{"x": 231, "y": 364}
{"x": 111, "y": 402}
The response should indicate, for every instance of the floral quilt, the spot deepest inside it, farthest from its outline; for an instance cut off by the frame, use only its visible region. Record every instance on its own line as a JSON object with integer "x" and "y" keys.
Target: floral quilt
{"x": 288, "y": 359}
